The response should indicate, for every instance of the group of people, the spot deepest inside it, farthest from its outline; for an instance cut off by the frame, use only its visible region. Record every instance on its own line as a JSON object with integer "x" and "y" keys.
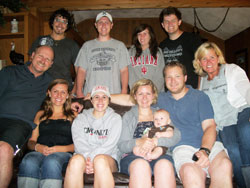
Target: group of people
{"x": 180, "y": 130}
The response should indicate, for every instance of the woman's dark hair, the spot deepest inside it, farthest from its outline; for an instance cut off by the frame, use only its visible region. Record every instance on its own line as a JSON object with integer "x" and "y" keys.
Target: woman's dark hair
{"x": 63, "y": 13}
{"x": 47, "y": 104}
{"x": 153, "y": 45}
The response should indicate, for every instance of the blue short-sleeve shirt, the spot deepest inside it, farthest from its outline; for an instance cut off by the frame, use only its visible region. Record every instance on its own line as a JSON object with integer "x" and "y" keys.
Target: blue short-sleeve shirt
{"x": 187, "y": 114}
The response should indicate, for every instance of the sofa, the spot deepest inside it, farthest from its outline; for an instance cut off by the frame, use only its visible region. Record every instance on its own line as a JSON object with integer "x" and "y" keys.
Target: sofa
{"x": 121, "y": 180}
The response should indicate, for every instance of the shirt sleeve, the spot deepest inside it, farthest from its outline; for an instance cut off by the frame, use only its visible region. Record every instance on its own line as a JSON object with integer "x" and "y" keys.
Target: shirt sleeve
{"x": 4, "y": 79}
{"x": 126, "y": 142}
{"x": 82, "y": 58}
{"x": 205, "y": 107}
{"x": 124, "y": 57}
{"x": 75, "y": 51}
{"x": 80, "y": 142}
{"x": 241, "y": 83}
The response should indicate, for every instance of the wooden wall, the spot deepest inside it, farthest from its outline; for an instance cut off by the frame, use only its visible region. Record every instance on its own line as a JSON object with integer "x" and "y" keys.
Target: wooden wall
{"x": 238, "y": 47}
{"x": 123, "y": 29}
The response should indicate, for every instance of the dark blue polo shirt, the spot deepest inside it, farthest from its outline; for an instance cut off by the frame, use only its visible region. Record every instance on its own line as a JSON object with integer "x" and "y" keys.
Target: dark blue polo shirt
{"x": 21, "y": 93}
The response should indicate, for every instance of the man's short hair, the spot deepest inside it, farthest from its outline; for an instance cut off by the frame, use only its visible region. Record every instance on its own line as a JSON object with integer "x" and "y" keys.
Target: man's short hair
{"x": 168, "y": 11}
{"x": 63, "y": 13}
{"x": 176, "y": 64}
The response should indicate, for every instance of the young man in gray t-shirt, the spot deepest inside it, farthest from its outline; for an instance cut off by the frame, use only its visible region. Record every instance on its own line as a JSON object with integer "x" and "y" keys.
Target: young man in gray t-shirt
{"x": 102, "y": 61}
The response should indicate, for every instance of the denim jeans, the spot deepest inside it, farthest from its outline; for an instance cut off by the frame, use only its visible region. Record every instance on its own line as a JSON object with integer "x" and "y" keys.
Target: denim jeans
{"x": 37, "y": 165}
{"x": 236, "y": 138}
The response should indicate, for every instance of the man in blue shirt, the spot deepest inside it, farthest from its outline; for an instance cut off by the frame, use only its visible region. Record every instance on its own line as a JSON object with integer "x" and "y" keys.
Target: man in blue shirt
{"x": 22, "y": 90}
{"x": 198, "y": 154}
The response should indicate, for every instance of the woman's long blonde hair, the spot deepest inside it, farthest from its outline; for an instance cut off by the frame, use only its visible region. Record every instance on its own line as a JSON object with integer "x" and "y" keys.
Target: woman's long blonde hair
{"x": 201, "y": 52}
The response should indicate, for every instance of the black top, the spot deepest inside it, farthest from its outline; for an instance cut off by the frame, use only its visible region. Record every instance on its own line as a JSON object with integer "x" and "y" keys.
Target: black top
{"x": 21, "y": 93}
{"x": 182, "y": 50}
{"x": 55, "y": 132}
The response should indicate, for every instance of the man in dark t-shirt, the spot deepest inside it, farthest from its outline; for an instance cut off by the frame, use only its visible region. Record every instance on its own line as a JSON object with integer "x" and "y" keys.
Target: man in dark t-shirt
{"x": 65, "y": 49}
{"x": 180, "y": 46}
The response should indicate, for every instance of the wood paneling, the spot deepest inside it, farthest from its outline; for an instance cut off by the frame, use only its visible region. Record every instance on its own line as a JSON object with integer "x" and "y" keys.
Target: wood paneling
{"x": 236, "y": 44}
{"x": 124, "y": 27}
{"x": 51, "y": 5}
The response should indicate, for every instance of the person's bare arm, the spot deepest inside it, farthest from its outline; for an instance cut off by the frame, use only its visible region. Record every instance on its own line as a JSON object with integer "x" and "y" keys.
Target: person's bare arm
{"x": 124, "y": 80}
{"x": 80, "y": 78}
{"x": 208, "y": 140}
{"x": 122, "y": 99}
{"x": 35, "y": 133}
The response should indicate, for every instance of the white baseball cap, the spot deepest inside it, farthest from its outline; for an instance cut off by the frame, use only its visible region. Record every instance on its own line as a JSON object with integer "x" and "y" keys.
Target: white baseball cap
{"x": 103, "y": 14}
{"x": 100, "y": 88}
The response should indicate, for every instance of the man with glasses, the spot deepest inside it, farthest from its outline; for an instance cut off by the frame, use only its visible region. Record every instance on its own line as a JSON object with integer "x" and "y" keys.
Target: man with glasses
{"x": 22, "y": 90}
{"x": 65, "y": 49}
{"x": 179, "y": 46}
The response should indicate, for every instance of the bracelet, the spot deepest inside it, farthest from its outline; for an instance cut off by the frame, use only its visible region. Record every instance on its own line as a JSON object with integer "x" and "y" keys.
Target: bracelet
{"x": 36, "y": 147}
{"x": 206, "y": 150}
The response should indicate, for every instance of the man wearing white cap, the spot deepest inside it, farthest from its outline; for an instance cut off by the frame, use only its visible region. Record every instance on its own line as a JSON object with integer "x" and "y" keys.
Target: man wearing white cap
{"x": 102, "y": 61}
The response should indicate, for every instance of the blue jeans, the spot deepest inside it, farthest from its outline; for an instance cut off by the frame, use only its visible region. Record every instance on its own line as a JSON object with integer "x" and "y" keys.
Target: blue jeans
{"x": 127, "y": 160}
{"x": 36, "y": 165}
{"x": 236, "y": 138}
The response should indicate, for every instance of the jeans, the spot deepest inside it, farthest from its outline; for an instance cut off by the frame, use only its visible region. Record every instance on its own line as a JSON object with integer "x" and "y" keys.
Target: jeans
{"x": 236, "y": 138}
{"x": 36, "y": 165}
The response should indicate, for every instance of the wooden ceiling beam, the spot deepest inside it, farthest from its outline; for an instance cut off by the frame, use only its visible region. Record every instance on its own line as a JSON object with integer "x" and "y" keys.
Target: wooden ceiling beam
{"x": 47, "y": 6}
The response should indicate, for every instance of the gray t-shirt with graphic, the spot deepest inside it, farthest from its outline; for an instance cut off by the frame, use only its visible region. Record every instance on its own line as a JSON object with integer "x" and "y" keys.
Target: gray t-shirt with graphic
{"x": 103, "y": 62}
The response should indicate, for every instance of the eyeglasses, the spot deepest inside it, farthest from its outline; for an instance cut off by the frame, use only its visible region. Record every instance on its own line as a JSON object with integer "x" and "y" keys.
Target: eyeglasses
{"x": 61, "y": 21}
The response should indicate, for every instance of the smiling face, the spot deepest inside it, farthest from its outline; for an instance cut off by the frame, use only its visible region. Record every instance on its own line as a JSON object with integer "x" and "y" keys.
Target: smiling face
{"x": 175, "y": 80}
{"x": 104, "y": 26}
{"x": 171, "y": 24}
{"x": 60, "y": 25}
{"x": 161, "y": 118}
{"x": 42, "y": 60}
{"x": 210, "y": 62}
{"x": 144, "y": 38}
{"x": 100, "y": 102}
{"x": 144, "y": 96}
{"x": 58, "y": 94}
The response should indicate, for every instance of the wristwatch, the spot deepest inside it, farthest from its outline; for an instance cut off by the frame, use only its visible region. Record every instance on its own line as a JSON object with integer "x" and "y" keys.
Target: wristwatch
{"x": 206, "y": 150}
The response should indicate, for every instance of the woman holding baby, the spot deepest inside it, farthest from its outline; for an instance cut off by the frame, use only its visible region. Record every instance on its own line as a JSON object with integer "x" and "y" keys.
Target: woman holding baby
{"x": 137, "y": 160}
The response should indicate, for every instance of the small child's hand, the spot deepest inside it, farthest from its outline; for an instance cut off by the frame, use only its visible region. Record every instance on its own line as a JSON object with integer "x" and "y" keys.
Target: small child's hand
{"x": 148, "y": 156}
{"x": 156, "y": 153}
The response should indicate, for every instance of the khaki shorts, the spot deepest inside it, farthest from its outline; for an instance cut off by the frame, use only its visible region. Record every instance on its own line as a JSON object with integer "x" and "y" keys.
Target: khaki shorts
{"x": 184, "y": 153}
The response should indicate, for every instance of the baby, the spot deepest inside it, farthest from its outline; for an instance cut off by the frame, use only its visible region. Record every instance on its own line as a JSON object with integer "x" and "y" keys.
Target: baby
{"x": 161, "y": 129}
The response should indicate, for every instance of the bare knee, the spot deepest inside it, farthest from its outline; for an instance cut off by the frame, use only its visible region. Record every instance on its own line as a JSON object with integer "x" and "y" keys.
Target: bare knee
{"x": 138, "y": 166}
{"x": 222, "y": 168}
{"x": 6, "y": 151}
{"x": 190, "y": 172}
{"x": 76, "y": 162}
{"x": 163, "y": 163}
{"x": 101, "y": 162}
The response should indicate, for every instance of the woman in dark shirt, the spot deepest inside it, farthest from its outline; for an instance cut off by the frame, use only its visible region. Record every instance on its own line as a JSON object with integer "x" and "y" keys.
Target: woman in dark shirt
{"x": 51, "y": 140}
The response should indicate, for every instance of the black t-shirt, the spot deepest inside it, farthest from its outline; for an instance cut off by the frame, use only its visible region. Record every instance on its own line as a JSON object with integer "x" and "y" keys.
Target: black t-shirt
{"x": 182, "y": 50}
